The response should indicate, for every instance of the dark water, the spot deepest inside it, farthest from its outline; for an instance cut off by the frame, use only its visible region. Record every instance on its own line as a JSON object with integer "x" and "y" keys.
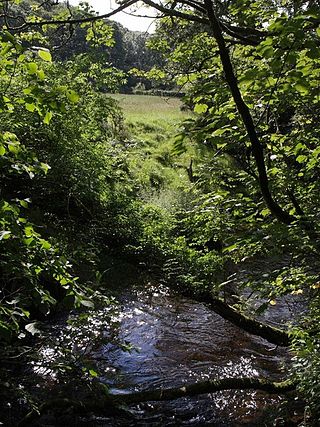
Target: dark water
{"x": 178, "y": 341}
{"x": 175, "y": 341}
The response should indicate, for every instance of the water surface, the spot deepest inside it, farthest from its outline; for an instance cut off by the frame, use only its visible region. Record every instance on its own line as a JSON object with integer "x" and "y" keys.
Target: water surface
{"x": 179, "y": 341}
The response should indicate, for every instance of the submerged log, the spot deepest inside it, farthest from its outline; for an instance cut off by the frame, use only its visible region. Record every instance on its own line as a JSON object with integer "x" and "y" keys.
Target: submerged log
{"x": 111, "y": 404}
{"x": 270, "y": 333}
{"x": 210, "y": 386}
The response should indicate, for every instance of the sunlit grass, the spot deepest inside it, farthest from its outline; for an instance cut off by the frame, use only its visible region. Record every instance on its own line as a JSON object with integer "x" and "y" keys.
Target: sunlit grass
{"x": 151, "y": 118}
{"x": 139, "y": 108}
{"x": 151, "y": 123}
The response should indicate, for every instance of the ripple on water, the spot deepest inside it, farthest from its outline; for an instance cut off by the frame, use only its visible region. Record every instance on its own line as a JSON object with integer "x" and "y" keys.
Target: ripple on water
{"x": 176, "y": 341}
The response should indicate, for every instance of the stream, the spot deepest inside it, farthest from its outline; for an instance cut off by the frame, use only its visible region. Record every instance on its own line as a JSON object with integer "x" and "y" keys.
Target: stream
{"x": 177, "y": 341}
{"x": 173, "y": 341}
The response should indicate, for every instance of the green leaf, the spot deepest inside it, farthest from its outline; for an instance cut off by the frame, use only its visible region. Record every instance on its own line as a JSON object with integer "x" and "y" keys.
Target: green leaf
{"x": 301, "y": 159}
{"x": 5, "y": 234}
{"x": 45, "y": 167}
{"x": 41, "y": 74}
{"x": 86, "y": 303}
{"x": 26, "y": 313}
{"x": 24, "y": 204}
{"x": 45, "y": 55}
{"x": 47, "y": 117}
{"x": 249, "y": 76}
{"x": 45, "y": 244}
{"x": 220, "y": 131}
{"x": 28, "y": 241}
{"x": 8, "y": 37}
{"x": 200, "y": 108}
{"x": 2, "y": 150}
{"x": 28, "y": 231}
{"x": 313, "y": 53}
{"x": 13, "y": 147}
{"x": 266, "y": 51}
{"x": 30, "y": 107}
{"x": 303, "y": 88}
{"x": 72, "y": 96}
{"x": 32, "y": 67}
{"x": 230, "y": 248}
{"x": 93, "y": 373}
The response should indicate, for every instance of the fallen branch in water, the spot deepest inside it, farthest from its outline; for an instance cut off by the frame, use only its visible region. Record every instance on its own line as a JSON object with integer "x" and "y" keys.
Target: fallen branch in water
{"x": 270, "y": 333}
{"x": 210, "y": 386}
{"x": 110, "y": 404}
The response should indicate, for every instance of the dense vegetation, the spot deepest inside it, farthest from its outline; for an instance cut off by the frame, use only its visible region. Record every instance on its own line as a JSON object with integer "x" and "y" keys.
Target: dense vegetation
{"x": 85, "y": 183}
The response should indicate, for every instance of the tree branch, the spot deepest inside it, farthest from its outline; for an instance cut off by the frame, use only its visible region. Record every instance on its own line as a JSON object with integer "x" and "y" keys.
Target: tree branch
{"x": 82, "y": 20}
{"x": 176, "y": 13}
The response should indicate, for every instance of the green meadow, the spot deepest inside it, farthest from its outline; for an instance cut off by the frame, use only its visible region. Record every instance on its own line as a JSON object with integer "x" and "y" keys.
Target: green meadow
{"x": 152, "y": 123}
{"x": 151, "y": 108}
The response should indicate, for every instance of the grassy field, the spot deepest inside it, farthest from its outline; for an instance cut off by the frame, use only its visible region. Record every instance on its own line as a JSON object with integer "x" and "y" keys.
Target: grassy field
{"x": 152, "y": 122}
{"x": 151, "y": 108}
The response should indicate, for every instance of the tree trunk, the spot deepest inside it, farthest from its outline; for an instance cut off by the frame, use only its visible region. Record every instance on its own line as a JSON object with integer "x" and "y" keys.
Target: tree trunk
{"x": 257, "y": 149}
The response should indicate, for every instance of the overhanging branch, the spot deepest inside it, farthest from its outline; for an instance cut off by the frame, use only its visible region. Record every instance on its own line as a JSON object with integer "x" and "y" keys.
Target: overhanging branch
{"x": 248, "y": 36}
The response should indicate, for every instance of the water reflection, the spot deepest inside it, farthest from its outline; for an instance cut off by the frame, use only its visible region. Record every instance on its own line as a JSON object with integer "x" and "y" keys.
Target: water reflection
{"x": 176, "y": 340}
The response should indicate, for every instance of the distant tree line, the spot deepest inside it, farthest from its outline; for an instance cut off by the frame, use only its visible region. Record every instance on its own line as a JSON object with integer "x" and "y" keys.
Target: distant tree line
{"x": 129, "y": 49}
